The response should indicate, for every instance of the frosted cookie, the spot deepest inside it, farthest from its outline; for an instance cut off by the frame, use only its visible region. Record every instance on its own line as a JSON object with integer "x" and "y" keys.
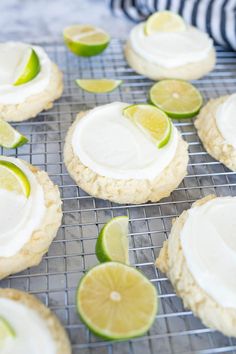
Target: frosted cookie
{"x": 29, "y": 81}
{"x": 111, "y": 158}
{"x": 216, "y": 128}
{"x": 200, "y": 261}
{"x": 186, "y": 53}
{"x": 27, "y": 326}
{"x": 30, "y": 215}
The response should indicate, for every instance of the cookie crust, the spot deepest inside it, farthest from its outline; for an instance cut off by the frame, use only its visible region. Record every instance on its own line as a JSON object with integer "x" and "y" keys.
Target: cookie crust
{"x": 211, "y": 137}
{"x": 171, "y": 261}
{"x": 36, "y": 103}
{"x": 131, "y": 191}
{"x": 51, "y": 321}
{"x": 32, "y": 252}
{"x": 153, "y": 71}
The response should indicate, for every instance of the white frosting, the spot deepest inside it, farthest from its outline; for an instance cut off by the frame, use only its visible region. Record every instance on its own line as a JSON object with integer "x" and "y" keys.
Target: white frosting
{"x": 11, "y": 54}
{"x": 32, "y": 334}
{"x": 171, "y": 49}
{"x": 209, "y": 245}
{"x": 19, "y": 216}
{"x": 226, "y": 120}
{"x": 113, "y": 146}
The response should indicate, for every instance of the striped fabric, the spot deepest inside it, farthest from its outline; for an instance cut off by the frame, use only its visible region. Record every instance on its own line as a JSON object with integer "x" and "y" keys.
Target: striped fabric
{"x": 217, "y": 17}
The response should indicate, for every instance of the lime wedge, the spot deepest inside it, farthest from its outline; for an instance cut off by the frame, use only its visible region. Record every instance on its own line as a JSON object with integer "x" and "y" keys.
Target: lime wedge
{"x": 13, "y": 179}
{"x": 112, "y": 243}
{"x": 179, "y": 99}
{"x": 116, "y": 301}
{"x": 28, "y": 68}
{"x": 6, "y": 331}
{"x": 85, "y": 40}
{"x": 164, "y": 21}
{"x": 99, "y": 85}
{"x": 9, "y": 137}
{"x": 152, "y": 121}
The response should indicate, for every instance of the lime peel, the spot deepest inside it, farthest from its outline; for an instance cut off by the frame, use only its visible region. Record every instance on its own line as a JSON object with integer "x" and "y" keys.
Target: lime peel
{"x": 6, "y": 331}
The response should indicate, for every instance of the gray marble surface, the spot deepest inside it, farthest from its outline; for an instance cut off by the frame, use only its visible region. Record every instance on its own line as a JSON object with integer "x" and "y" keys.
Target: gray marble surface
{"x": 44, "y": 19}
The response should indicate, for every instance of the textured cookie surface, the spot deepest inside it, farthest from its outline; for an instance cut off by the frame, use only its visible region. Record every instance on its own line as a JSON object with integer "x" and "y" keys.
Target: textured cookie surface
{"x": 51, "y": 321}
{"x": 153, "y": 71}
{"x": 211, "y": 137}
{"x": 172, "y": 262}
{"x": 36, "y": 103}
{"x": 132, "y": 191}
{"x": 32, "y": 252}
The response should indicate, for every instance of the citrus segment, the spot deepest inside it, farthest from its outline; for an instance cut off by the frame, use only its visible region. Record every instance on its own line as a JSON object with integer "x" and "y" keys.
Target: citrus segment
{"x": 13, "y": 179}
{"x": 116, "y": 301}
{"x": 164, "y": 21}
{"x": 86, "y": 40}
{"x": 152, "y": 120}
{"x": 98, "y": 85}
{"x": 9, "y": 137}
{"x": 112, "y": 243}
{"x": 28, "y": 68}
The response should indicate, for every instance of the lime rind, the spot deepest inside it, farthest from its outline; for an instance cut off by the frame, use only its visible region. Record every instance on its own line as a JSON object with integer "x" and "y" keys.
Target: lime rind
{"x": 172, "y": 113}
{"x": 19, "y": 175}
{"x": 30, "y": 69}
{"x": 108, "y": 85}
{"x": 81, "y": 48}
{"x": 130, "y": 112}
{"x": 10, "y": 138}
{"x": 106, "y": 334}
{"x": 102, "y": 252}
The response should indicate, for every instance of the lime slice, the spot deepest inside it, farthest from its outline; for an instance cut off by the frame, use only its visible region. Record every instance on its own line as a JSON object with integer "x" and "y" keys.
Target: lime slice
{"x": 13, "y": 179}
{"x": 112, "y": 243}
{"x": 28, "y": 68}
{"x": 86, "y": 40}
{"x": 164, "y": 21}
{"x": 6, "y": 331}
{"x": 116, "y": 301}
{"x": 99, "y": 85}
{"x": 179, "y": 99}
{"x": 152, "y": 121}
{"x": 9, "y": 137}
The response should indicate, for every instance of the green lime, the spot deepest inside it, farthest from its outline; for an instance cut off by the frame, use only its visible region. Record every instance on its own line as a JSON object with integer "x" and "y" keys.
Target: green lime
{"x": 13, "y": 179}
{"x": 116, "y": 301}
{"x": 6, "y": 331}
{"x": 98, "y": 85}
{"x": 9, "y": 137}
{"x": 28, "y": 68}
{"x": 177, "y": 98}
{"x": 152, "y": 120}
{"x": 112, "y": 243}
{"x": 86, "y": 40}
{"x": 164, "y": 21}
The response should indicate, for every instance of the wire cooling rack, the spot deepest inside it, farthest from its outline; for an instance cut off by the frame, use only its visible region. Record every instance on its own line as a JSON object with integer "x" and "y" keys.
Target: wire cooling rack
{"x": 55, "y": 280}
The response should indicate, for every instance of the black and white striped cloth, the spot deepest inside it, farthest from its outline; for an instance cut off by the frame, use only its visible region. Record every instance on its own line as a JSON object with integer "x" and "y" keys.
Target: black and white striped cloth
{"x": 217, "y": 17}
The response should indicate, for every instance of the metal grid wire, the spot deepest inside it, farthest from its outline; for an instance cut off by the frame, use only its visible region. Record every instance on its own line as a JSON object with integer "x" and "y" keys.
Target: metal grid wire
{"x": 55, "y": 280}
